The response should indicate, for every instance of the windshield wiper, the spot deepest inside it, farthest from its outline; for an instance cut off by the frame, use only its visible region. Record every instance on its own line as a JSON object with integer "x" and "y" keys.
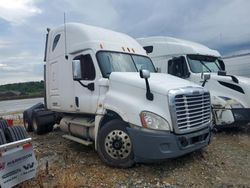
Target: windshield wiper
{"x": 205, "y": 66}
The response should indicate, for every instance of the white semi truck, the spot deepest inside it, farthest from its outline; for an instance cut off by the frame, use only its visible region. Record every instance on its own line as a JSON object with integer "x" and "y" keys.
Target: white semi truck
{"x": 103, "y": 89}
{"x": 204, "y": 66}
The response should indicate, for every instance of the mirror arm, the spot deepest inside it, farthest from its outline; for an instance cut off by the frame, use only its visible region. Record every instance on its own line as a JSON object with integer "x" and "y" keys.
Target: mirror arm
{"x": 204, "y": 83}
{"x": 149, "y": 95}
{"x": 89, "y": 86}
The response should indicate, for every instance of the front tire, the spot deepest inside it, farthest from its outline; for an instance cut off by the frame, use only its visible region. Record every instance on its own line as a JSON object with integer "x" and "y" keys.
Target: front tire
{"x": 114, "y": 145}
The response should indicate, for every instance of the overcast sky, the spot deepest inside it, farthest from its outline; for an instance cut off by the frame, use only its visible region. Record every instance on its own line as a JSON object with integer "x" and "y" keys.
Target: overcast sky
{"x": 220, "y": 24}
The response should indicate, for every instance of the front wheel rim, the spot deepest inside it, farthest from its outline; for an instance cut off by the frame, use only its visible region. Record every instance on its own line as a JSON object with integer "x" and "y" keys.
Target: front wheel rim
{"x": 118, "y": 144}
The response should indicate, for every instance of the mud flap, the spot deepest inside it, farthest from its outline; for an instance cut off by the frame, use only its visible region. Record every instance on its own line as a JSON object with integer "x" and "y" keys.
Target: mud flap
{"x": 17, "y": 165}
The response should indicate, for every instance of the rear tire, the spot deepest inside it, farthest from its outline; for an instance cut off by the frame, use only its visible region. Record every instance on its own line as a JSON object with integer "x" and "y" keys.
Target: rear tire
{"x": 27, "y": 125}
{"x": 37, "y": 127}
{"x": 43, "y": 121}
{"x": 28, "y": 116}
{"x": 15, "y": 133}
{"x": 114, "y": 145}
{"x": 2, "y": 137}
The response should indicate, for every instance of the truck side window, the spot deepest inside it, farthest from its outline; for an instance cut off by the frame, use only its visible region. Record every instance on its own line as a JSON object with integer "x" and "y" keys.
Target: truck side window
{"x": 83, "y": 68}
{"x": 178, "y": 67}
{"x": 55, "y": 42}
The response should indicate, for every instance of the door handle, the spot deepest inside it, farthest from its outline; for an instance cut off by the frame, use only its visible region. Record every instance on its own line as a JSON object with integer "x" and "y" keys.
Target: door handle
{"x": 77, "y": 101}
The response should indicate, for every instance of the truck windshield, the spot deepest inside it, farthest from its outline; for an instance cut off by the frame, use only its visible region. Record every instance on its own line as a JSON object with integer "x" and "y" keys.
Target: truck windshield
{"x": 200, "y": 63}
{"x": 121, "y": 62}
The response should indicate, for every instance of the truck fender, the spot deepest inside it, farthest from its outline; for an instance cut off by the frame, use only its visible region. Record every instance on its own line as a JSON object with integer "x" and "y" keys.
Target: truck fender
{"x": 117, "y": 111}
{"x": 99, "y": 118}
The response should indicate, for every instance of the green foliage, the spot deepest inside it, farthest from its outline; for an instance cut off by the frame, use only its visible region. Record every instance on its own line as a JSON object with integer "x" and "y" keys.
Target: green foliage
{"x": 25, "y": 88}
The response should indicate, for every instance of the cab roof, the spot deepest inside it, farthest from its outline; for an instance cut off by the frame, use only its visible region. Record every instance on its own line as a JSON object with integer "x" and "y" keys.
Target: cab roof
{"x": 172, "y": 46}
{"x": 80, "y": 37}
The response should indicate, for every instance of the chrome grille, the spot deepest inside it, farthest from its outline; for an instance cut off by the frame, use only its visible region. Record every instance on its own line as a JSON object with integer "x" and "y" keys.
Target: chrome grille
{"x": 192, "y": 110}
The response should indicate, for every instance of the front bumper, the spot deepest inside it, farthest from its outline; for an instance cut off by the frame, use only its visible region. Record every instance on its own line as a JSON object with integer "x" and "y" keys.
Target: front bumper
{"x": 149, "y": 145}
{"x": 241, "y": 115}
{"x": 232, "y": 117}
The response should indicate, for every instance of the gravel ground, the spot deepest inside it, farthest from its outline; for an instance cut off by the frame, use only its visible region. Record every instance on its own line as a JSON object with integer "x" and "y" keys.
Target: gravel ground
{"x": 225, "y": 163}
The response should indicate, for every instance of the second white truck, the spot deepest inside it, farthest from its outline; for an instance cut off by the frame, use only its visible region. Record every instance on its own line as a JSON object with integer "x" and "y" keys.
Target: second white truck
{"x": 103, "y": 89}
{"x": 201, "y": 65}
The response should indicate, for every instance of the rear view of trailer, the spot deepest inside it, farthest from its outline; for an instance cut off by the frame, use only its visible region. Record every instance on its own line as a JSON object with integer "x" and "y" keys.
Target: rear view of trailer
{"x": 17, "y": 159}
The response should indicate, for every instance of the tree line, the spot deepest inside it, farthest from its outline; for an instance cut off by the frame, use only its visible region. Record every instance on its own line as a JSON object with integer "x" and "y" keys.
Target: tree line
{"x": 22, "y": 90}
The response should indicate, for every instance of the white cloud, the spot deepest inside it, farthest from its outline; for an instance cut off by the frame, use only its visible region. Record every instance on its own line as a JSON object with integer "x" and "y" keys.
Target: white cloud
{"x": 94, "y": 12}
{"x": 223, "y": 25}
{"x": 2, "y": 65}
{"x": 22, "y": 56}
{"x": 4, "y": 43}
{"x": 20, "y": 67}
{"x": 17, "y": 11}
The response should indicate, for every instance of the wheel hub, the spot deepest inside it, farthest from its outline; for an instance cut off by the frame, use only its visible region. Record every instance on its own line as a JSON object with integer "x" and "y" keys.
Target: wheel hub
{"x": 118, "y": 144}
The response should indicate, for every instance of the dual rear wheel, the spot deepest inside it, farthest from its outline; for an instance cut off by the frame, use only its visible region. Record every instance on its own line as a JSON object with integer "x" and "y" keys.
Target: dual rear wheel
{"x": 41, "y": 121}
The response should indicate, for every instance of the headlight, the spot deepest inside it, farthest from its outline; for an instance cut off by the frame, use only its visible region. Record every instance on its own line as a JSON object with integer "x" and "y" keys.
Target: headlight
{"x": 153, "y": 121}
{"x": 237, "y": 105}
{"x": 232, "y": 102}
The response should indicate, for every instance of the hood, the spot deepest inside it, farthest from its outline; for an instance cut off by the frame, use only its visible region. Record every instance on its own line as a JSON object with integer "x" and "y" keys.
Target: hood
{"x": 159, "y": 82}
{"x": 225, "y": 86}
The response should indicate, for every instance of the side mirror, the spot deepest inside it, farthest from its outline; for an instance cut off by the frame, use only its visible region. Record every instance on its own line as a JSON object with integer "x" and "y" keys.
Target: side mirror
{"x": 144, "y": 74}
{"x": 205, "y": 76}
{"x": 222, "y": 73}
{"x": 77, "y": 75}
{"x": 148, "y": 49}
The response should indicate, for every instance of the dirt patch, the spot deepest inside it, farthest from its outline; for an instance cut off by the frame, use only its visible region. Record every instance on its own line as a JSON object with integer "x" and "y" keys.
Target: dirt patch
{"x": 62, "y": 163}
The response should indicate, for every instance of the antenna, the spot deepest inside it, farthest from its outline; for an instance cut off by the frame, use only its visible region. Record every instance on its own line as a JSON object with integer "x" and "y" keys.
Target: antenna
{"x": 65, "y": 35}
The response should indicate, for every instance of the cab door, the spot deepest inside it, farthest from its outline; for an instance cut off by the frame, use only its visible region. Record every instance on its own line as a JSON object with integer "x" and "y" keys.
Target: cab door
{"x": 86, "y": 92}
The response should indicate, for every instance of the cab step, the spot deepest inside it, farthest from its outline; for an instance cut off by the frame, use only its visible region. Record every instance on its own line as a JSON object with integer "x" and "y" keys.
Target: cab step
{"x": 78, "y": 140}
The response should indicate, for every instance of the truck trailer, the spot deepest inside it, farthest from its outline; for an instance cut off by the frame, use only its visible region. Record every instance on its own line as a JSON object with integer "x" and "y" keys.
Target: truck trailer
{"x": 103, "y": 89}
{"x": 201, "y": 65}
{"x": 238, "y": 64}
{"x": 17, "y": 158}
